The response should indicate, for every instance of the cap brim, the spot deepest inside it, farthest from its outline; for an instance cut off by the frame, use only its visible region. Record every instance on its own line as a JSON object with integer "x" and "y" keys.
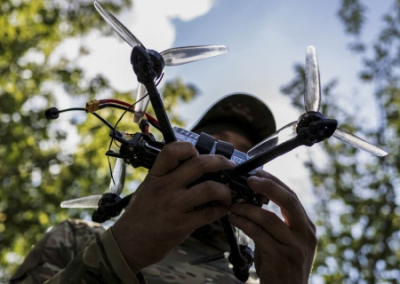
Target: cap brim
{"x": 243, "y": 110}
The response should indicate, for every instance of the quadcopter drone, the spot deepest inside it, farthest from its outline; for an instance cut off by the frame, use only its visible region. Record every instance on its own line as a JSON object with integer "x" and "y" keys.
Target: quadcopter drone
{"x": 141, "y": 149}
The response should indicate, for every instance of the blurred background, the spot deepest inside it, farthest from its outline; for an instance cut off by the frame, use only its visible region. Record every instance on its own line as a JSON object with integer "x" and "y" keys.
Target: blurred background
{"x": 62, "y": 53}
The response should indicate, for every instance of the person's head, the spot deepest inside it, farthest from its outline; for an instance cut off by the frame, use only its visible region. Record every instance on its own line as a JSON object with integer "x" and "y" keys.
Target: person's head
{"x": 240, "y": 119}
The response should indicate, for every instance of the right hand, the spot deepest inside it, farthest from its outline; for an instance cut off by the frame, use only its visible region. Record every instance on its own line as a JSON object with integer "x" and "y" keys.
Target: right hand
{"x": 284, "y": 249}
{"x": 160, "y": 215}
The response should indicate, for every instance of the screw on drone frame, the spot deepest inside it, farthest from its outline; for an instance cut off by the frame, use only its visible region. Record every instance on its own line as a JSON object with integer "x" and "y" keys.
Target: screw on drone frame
{"x": 171, "y": 57}
{"x": 312, "y": 98}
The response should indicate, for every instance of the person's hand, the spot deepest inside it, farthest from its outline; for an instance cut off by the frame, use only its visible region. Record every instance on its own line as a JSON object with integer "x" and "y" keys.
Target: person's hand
{"x": 161, "y": 213}
{"x": 284, "y": 250}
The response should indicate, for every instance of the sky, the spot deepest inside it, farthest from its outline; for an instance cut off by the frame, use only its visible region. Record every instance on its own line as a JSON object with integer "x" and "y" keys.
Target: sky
{"x": 265, "y": 39}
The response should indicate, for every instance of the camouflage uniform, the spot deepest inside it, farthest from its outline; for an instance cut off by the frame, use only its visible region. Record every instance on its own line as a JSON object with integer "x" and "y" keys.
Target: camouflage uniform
{"x": 81, "y": 252}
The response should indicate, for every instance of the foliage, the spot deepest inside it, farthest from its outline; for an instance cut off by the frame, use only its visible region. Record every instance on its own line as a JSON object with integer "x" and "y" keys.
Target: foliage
{"x": 358, "y": 195}
{"x": 44, "y": 163}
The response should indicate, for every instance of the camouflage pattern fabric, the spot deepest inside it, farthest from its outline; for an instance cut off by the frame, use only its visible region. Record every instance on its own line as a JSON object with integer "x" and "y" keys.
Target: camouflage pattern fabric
{"x": 55, "y": 250}
{"x": 182, "y": 266}
{"x": 76, "y": 251}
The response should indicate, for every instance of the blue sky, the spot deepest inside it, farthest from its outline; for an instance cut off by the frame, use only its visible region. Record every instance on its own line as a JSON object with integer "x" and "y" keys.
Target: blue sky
{"x": 265, "y": 39}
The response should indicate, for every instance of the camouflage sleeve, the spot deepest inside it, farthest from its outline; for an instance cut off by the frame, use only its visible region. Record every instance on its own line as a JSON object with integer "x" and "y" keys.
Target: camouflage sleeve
{"x": 76, "y": 252}
{"x": 100, "y": 262}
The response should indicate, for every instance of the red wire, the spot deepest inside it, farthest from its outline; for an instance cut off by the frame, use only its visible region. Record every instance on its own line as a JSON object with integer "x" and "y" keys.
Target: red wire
{"x": 115, "y": 101}
{"x": 149, "y": 117}
{"x": 152, "y": 119}
{"x": 146, "y": 129}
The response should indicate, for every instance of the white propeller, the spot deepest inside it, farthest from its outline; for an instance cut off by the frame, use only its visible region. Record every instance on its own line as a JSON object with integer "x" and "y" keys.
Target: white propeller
{"x": 116, "y": 186}
{"x": 171, "y": 57}
{"x": 312, "y": 101}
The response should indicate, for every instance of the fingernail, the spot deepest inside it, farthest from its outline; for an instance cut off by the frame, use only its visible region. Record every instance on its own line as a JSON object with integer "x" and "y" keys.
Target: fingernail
{"x": 254, "y": 179}
{"x": 261, "y": 173}
{"x": 232, "y": 163}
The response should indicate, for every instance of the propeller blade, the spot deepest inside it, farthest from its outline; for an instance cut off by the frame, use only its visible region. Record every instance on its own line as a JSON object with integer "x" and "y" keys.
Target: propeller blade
{"x": 82, "y": 202}
{"x": 119, "y": 177}
{"x": 358, "y": 142}
{"x": 285, "y": 133}
{"x": 117, "y": 26}
{"x": 141, "y": 103}
{"x": 312, "y": 93}
{"x": 183, "y": 55}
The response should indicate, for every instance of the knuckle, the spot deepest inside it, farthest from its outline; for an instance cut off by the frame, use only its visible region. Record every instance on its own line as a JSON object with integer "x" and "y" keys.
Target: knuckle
{"x": 271, "y": 218}
{"x": 268, "y": 183}
{"x": 313, "y": 240}
{"x": 313, "y": 228}
{"x": 292, "y": 199}
{"x": 221, "y": 159}
{"x": 210, "y": 214}
{"x": 208, "y": 187}
{"x": 173, "y": 148}
{"x": 303, "y": 249}
{"x": 168, "y": 150}
{"x": 264, "y": 174}
{"x": 199, "y": 162}
{"x": 215, "y": 189}
{"x": 257, "y": 229}
{"x": 190, "y": 147}
{"x": 297, "y": 252}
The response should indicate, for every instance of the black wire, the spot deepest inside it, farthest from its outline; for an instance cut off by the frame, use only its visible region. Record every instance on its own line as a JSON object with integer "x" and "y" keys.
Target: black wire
{"x": 116, "y": 144}
{"x": 116, "y": 106}
{"x": 103, "y": 120}
{"x": 106, "y": 123}
{"x": 160, "y": 78}
{"x": 129, "y": 109}
{"x": 95, "y": 114}
{"x": 115, "y": 126}
{"x": 156, "y": 84}
{"x": 71, "y": 109}
{"x": 109, "y": 163}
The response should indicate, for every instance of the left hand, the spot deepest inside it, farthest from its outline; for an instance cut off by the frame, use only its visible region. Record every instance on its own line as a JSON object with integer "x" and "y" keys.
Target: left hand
{"x": 284, "y": 249}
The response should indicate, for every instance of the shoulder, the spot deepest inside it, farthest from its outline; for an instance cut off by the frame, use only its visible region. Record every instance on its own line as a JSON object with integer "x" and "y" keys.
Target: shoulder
{"x": 56, "y": 249}
{"x": 74, "y": 234}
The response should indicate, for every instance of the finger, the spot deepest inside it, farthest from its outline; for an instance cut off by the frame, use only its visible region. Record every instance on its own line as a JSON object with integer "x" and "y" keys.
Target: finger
{"x": 266, "y": 220}
{"x": 206, "y": 192}
{"x": 255, "y": 232}
{"x": 198, "y": 165}
{"x": 171, "y": 156}
{"x": 265, "y": 174}
{"x": 207, "y": 215}
{"x": 257, "y": 259}
{"x": 291, "y": 208}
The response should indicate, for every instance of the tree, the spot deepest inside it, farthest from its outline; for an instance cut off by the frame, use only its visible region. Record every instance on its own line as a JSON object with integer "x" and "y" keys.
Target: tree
{"x": 358, "y": 201}
{"x": 39, "y": 168}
